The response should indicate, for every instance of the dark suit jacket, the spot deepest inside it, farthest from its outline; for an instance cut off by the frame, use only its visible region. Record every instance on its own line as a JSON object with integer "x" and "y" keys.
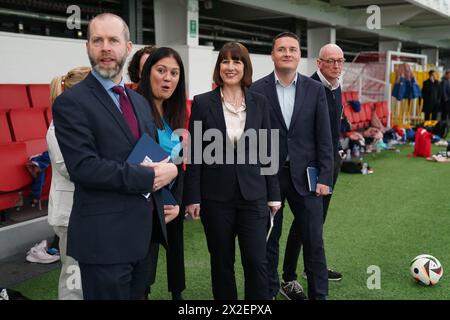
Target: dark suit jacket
{"x": 431, "y": 96}
{"x": 219, "y": 181}
{"x": 111, "y": 222}
{"x": 308, "y": 138}
{"x": 444, "y": 86}
{"x": 334, "y": 103}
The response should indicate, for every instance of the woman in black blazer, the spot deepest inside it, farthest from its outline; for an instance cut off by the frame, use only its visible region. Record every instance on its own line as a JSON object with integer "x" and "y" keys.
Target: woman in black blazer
{"x": 163, "y": 85}
{"x": 225, "y": 186}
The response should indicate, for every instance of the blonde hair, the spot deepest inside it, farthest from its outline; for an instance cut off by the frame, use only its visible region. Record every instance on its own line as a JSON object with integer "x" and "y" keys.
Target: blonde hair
{"x": 61, "y": 83}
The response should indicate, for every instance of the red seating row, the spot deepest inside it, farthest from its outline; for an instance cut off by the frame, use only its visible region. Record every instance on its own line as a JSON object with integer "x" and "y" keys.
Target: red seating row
{"x": 13, "y": 174}
{"x": 349, "y": 96}
{"x": 18, "y": 96}
{"x": 5, "y": 132}
{"x": 22, "y": 135}
{"x": 361, "y": 119}
{"x": 382, "y": 110}
{"x": 25, "y": 125}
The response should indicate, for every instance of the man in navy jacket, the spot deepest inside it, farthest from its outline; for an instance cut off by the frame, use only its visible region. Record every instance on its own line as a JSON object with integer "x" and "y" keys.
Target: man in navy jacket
{"x": 330, "y": 63}
{"x": 299, "y": 111}
{"x": 97, "y": 124}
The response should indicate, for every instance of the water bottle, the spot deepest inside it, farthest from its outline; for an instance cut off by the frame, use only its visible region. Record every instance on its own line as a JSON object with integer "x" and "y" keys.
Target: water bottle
{"x": 378, "y": 147}
{"x": 356, "y": 151}
{"x": 364, "y": 168}
{"x": 348, "y": 157}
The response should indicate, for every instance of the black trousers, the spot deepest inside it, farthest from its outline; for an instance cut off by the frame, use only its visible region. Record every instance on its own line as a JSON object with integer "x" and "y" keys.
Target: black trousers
{"x": 432, "y": 113}
{"x": 308, "y": 224}
{"x": 176, "y": 280}
{"x": 445, "y": 110}
{"x": 124, "y": 281}
{"x": 294, "y": 241}
{"x": 222, "y": 222}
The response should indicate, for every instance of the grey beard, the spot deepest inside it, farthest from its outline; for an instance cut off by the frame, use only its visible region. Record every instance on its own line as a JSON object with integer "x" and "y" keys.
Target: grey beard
{"x": 108, "y": 73}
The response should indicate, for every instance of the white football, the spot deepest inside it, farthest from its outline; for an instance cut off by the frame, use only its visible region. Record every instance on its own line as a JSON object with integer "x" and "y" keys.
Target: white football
{"x": 426, "y": 269}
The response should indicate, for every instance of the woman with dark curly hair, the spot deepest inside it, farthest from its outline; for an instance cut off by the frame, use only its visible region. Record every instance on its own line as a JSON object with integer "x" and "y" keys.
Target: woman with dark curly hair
{"x": 137, "y": 63}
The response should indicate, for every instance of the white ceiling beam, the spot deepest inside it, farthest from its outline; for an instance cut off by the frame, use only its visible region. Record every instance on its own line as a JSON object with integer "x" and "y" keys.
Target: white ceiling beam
{"x": 435, "y": 33}
{"x": 440, "y": 7}
{"x": 332, "y": 15}
{"x": 389, "y": 16}
{"x": 313, "y": 10}
{"x": 359, "y": 2}
{"x": 407, "y": 34}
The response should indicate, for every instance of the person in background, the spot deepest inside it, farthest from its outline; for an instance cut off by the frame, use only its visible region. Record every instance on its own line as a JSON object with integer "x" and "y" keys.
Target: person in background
{"x": 137, "y": 63}
{"x": 61, "y": 190}
{"x": 97, "y": 124}
{"x": 37, "y": 166}
{"x": 431, "y": 97}
{"x": 163, "y": 85}
{"x": 445, "y": 96}
{"x": 232, "y": 199}
{"x": 298, "y": 109}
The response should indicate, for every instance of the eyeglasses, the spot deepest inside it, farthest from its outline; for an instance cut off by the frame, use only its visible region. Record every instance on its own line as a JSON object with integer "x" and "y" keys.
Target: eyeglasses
{"x": 340, "y": 62}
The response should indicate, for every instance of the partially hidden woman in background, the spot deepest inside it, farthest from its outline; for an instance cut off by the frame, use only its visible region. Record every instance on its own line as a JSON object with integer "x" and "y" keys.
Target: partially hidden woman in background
{"x": 232, "y": 199}
{"x": 163, "y": 85}
{"x": 61, "y": 190}
{"x": 136, "y": 65}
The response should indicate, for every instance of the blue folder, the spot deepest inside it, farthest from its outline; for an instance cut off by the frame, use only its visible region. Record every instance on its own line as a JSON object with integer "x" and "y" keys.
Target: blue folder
{"x": 147, "y": 149}
{"x": 168, "y": 198}
{"x": 312, "y": 174}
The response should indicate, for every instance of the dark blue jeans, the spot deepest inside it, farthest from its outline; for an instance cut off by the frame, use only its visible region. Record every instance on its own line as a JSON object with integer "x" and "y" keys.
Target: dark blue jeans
{"x": 43, "y": 161}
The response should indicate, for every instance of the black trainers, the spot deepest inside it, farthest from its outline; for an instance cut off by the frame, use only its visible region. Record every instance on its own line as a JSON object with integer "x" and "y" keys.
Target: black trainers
{"x": 292, "y": 290}
{"x": 332, "y": 275}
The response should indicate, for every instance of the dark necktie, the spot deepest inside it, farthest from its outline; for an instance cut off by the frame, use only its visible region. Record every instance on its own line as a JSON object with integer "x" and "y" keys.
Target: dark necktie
{"x": 127, "y": 110}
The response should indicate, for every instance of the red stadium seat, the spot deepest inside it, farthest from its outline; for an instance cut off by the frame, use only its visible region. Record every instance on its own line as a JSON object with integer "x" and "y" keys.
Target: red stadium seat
{"x": 361, "y": 119}
{"x": 384, "y": 106}
{"x": 132, "y": 86}
{"x": 5, "y": 133}
{"x": 13, "y": 174}
{"x": 29, "y": 126}
{"x": 39, "y": 95}
{"x": 36, "y": 146}
{"x": 362, "y": 116}
{"x": 9, "y": 200}
{"x": 357, "y": 119}
{"x": 368, "y": 109}
{"x": 13, "y": 96}
{"x": 188, "y": 108}
{"x": 382, "y": 110}
{"x": 347, "y": 96}
{"x": 343, "y": 97}
{"x": 348, "y": 112}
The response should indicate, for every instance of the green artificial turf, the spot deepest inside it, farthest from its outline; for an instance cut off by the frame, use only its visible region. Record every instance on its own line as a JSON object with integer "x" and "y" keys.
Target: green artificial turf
{"x": 383, "y": 219}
